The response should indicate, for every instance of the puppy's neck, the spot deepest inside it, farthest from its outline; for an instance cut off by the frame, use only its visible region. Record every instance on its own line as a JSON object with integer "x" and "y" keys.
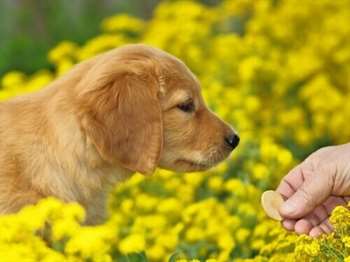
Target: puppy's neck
{"x": 76, "y": 172}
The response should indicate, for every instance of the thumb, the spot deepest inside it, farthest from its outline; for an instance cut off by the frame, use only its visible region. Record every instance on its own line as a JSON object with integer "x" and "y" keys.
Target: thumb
{"x": 308, "y": 196}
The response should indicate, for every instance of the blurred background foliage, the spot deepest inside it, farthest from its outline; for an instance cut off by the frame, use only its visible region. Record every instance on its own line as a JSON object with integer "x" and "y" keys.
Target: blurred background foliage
{"x": 29, "y": 28}
{"x": 278, "y": 70}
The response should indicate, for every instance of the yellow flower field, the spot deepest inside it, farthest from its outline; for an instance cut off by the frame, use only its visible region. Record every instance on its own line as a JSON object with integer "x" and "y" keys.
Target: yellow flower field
{"x": 277, "y": 70}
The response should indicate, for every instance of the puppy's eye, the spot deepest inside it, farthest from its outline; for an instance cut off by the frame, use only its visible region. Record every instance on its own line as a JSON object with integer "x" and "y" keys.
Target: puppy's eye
{"x": 187, "y": 107}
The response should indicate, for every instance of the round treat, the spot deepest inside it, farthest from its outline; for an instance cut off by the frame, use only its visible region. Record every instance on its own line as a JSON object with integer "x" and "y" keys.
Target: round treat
{"x": 271, "y": 202}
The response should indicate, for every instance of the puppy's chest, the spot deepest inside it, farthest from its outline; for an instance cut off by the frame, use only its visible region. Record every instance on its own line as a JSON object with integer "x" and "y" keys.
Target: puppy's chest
{"x": 92, "y": 192}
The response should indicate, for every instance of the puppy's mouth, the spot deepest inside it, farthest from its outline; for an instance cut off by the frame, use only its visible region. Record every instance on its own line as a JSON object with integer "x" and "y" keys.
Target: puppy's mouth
{"x": 193, "y": 165}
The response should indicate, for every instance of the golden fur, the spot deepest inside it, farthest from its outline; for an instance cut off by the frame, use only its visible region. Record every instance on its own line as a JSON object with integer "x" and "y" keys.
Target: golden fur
{"x": 107, "y": 118}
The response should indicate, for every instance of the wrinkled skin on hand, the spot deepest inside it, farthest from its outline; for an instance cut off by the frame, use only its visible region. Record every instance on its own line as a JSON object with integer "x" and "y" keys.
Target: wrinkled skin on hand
{"x": 314, "y": 188}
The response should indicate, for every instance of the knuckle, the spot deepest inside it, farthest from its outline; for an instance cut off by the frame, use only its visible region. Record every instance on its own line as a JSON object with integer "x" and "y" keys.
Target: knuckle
{"x": 324, "y": 151}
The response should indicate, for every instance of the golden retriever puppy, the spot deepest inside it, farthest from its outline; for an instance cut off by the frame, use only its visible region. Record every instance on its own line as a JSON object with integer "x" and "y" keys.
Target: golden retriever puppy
{"x": 129, "y": 110}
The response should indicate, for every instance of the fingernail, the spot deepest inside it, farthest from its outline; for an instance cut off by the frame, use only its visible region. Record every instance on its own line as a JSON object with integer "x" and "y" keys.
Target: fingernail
{"x": 287, "y": 208}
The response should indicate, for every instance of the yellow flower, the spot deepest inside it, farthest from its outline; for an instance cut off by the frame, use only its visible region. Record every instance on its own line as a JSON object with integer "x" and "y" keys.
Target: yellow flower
{"x": 63, "y": 65}
{"x": 91, "y": 243}
{"x": 169, "y": 206}
{"x": 122, "y": 22}
{"x": 168, "y": 240}
{"x": 248, "y": 67}
{"x": 260, "y": 171}
{"x": 99, "y": 44}
{"x": 146, "y": 202}
{"x": 132, "y": 243}
{"x": 252, "y": 104}
{"x": 215, "y": 183}
{"x": 194, "y": 234}
{"x": 241, "y": 235}
{"x": 284, "y": 157}
{"x": 12, "y": 79}
{"x": 156, "y": 253}
{"x": 278, "y": 74}
{"x": 226, "y": 242}
{"x": 346, "y": 241}
{"x": 63, "y": 50}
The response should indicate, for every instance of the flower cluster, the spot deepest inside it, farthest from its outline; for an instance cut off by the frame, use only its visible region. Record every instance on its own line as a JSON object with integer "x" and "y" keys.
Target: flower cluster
{"x": 279, "y": 71}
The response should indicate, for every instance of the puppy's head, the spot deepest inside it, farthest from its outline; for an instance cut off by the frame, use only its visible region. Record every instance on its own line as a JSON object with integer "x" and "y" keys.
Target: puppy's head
{"x": 142, "y": 108}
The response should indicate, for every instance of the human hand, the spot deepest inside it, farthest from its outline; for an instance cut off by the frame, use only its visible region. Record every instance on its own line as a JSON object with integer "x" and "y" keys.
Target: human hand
{"x": 314, "y": 188}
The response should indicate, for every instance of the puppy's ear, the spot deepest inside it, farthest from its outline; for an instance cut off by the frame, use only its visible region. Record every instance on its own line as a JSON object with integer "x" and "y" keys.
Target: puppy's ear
{"x": 120, "y": 112}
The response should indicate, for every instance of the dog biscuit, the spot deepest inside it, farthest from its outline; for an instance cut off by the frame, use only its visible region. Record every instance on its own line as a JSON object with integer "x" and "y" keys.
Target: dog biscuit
{"x": 271, "y": 202}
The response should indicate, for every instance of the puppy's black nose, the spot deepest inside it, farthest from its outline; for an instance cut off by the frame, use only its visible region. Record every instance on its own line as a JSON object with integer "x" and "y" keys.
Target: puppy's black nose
{"x": 232, "y": 140}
